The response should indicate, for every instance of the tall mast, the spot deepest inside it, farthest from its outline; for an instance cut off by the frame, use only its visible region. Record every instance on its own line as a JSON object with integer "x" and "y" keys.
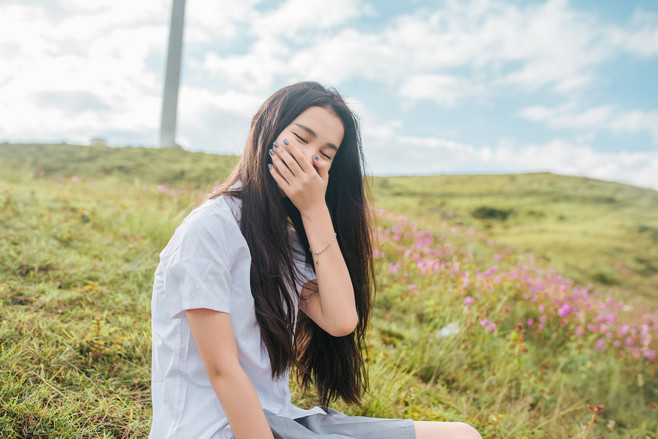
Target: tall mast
{"x": 172, "y": 76}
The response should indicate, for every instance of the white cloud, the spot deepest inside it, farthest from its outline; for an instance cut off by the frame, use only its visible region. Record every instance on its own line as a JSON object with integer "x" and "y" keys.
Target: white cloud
{"x": 442, "y": 89}
{"x": 404, "y": 155}
{"x": 640, "y": 37}
{"x": 79, "y": 69}
{"x": 605, "y": 117}
{"x": 92, "y": 61}
{"x": 299, "y": 16}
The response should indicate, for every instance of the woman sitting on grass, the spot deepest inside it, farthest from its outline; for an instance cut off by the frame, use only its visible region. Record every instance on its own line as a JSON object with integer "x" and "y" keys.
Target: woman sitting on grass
{"x": 288, "y": 231}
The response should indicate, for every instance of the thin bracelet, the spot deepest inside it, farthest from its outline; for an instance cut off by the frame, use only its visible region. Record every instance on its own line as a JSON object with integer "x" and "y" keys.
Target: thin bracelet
{"x": 317, "y": 260}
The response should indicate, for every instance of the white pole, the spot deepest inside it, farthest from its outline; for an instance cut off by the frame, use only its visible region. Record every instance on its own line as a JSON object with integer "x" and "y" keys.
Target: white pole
{"x": 172, "y": 76}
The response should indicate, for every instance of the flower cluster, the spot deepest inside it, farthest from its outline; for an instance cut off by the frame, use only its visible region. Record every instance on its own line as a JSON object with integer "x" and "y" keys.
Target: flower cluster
{"x": 541, "y": 299}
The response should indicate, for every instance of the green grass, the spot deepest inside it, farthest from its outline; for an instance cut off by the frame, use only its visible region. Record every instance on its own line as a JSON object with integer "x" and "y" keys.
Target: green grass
{"x": 596, "y": 232}
{"x": 77, "y": 260}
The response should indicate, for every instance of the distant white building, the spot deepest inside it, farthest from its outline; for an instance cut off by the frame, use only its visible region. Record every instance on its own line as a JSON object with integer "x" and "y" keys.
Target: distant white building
{"x": 98, "y": 141}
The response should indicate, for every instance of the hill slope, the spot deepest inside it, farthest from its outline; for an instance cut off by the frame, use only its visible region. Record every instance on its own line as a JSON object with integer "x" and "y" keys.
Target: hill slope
{"x": 599, "y": 233}
{"x": 464, "y": 329}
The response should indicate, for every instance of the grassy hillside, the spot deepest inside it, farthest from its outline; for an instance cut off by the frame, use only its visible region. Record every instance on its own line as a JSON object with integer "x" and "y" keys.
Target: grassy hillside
{"x": 599, "y": 233}
{"x": 467, "y": 326}
{"x": 593, "y": 231}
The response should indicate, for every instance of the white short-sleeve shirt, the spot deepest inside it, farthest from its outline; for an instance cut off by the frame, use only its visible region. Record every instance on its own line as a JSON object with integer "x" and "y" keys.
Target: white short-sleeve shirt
{"x": 206, "y": 264}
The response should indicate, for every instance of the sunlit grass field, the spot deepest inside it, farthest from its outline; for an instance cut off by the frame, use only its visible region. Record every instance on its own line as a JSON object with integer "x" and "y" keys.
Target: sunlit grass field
{"x": 520, "y": 304}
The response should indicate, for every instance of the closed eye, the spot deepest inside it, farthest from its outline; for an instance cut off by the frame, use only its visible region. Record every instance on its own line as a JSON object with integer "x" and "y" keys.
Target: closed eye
{"x": 325, "y": 155}
{"x": 301, "y": 139}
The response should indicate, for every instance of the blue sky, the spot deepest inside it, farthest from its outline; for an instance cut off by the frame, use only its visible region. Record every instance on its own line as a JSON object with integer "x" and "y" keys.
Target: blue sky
{"x": 441, "y": 86}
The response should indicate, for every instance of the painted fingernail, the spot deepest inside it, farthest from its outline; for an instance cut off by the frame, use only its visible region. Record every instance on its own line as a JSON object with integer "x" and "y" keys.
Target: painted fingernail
{"x": 271, "y": 152}
{"x": 316, "y": 158}
{"x": 269, "y": 166}
{"x": 276, "y": 145}
{"x": 286, "y": 141}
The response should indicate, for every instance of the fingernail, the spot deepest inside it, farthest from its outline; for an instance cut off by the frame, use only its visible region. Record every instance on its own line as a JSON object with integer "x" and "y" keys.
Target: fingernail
{"x": 316, "y": 158}
{"x": 271, "y": 152}
{"x": 286, "y": 141}
{"x": 269, "y": 166}
{"x": 276, "y": 145}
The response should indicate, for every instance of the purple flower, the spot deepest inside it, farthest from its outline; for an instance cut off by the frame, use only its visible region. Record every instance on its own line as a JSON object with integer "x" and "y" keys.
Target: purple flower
{"x": 600, "y": 344}
{"x": 564, "y": 310}
{"x": 649, "y": 354}
{"x": 465, "y": 279}
{"x": 580, "y": 330}
{"x": 488, "y": 325}
{"x": 469, "y": 301}
{"x": 531, "y": 322}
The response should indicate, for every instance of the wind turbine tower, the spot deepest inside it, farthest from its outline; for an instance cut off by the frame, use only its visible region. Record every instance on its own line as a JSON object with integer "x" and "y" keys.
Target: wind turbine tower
{"x": 172, "y": 76}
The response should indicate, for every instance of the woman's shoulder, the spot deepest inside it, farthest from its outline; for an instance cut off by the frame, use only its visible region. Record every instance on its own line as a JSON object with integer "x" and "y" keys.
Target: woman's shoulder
{"x": 215, "y": 219}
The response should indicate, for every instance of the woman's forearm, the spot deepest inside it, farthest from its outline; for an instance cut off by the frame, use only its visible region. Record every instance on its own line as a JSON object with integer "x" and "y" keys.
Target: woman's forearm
{"x": 336, "y": 294}
{"x": 241, "y": 405}
{"x": 213, "y": 334}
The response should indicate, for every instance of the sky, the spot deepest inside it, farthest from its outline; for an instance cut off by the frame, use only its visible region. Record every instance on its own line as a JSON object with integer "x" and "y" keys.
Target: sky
{"x": 441, "y": 87}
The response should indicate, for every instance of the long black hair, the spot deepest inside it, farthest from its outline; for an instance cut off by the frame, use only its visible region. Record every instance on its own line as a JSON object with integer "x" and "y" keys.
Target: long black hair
{"x": 336, "y": 365}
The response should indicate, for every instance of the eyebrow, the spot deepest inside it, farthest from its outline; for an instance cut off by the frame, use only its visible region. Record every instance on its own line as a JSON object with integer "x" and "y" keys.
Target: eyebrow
{"x": 312, "y": 133}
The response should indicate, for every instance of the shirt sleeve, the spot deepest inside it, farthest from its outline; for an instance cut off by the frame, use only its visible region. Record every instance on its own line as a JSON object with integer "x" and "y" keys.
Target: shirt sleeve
{"x": 197, "y": 264}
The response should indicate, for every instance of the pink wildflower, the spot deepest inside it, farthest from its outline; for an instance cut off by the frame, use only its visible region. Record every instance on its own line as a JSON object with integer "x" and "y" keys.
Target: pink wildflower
{"x": 580, "y": 330}
{"x": 465, "y": 279}
{"x": 649, "y": 354}
{"x": 600, "y": 344}
{"x": 488, "y": 325}
{"x": 469, "y": 301}
{"x": 413, "y": 287}
{"x": 564, "y": 310}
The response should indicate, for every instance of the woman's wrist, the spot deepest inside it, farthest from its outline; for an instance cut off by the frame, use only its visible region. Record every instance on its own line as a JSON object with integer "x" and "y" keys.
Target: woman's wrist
{"x": 315, "y": 213}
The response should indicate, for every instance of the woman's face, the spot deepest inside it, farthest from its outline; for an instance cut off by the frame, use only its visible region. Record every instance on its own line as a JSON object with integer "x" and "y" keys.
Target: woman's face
{"x": 316, "y": 131}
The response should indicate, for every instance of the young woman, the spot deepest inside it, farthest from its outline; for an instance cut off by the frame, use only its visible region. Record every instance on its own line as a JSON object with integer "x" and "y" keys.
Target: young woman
{"x": 287, "y": 232}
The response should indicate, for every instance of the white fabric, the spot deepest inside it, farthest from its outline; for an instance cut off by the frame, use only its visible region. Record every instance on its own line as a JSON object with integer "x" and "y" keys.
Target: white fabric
{"x": 206, "y": 264}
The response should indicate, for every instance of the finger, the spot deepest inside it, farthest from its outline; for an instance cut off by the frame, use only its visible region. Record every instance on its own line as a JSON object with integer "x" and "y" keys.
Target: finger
{"x": 281, "y": 166}
{"x": 300, "y": 159}
{"x": 284, "y": 159}
{"x": 321, "y": 167}
{"x": 280, "y": 180}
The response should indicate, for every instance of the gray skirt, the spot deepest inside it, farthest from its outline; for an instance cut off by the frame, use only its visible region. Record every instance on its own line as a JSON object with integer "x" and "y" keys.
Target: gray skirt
{"x": 336, "y": 425}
